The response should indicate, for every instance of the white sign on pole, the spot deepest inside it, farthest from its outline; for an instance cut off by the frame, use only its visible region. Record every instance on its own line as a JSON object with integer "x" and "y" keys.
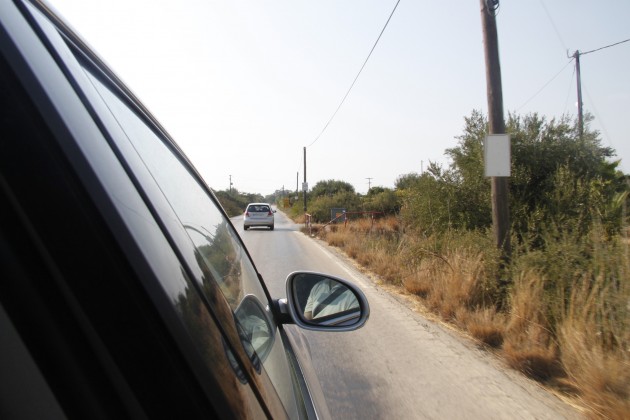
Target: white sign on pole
{"x": 497, "y": 155}
{"x": 304, "y": 186}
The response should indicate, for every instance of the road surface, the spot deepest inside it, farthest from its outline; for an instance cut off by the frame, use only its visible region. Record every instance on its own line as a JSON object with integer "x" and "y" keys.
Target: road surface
{"x": 400, "y": 365}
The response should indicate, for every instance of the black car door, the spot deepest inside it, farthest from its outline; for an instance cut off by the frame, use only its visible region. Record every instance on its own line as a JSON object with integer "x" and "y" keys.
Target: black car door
{"x": 99, "y": 278}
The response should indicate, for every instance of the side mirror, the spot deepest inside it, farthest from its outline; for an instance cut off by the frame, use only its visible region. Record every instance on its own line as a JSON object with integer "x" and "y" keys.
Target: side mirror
{"x": 322, "y": 302}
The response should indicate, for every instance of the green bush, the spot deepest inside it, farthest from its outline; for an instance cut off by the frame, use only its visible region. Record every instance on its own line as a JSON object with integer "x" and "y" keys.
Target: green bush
{"x": 383, "y": 200}
{"x": 234, "y": 203}
{"x": 558, "y": 178}
{"x": 320, "y": 207}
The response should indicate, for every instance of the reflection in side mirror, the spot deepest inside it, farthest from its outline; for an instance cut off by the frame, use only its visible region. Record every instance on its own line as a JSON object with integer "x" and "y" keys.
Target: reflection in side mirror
{"x": 321, "y": 302}
{"x": 254, "y": 329}
{"x": 326, "y": 299}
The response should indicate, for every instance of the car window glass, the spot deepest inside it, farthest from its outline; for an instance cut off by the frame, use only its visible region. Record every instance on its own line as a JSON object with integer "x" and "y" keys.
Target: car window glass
{"x": 259, "y": 209}
{"x": 217, "y": 248}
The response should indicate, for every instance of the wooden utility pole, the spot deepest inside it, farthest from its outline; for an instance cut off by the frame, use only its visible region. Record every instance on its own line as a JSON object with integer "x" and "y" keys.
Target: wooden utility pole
{"x": 496, "y": 123}
{"x": 579, "y": 94}
{"x": 304, "y": 185}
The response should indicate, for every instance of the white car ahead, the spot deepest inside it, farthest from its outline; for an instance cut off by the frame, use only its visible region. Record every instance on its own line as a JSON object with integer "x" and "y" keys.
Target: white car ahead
{"x": 258, "y": 214}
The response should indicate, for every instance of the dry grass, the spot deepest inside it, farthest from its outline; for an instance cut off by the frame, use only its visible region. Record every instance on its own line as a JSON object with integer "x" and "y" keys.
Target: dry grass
{"x": 529, "y": 345}
{"x": 485, "y": 325}
{"x": 596, "y": 348}
{"x": 575, "y": 337}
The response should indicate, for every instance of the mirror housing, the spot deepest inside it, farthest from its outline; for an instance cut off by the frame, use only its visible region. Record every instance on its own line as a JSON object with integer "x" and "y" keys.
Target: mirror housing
{"x": 320, "y": 302}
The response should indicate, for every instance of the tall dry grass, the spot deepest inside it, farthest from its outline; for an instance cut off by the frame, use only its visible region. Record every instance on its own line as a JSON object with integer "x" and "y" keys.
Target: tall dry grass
{"x": 594, "y": 332}
{"x": 529, "y": 344}
{"x": 560, "y": 317}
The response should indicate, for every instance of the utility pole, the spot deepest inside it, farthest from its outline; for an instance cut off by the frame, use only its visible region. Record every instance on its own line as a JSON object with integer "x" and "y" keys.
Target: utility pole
{"x": 369, "y": 183}
{"x": 577, "y": 55}
{"x": 304, "y": 185}
{"x": 579, "y": 93}
{"x": 496, "y": 123}
{"x": 230, "y": 184}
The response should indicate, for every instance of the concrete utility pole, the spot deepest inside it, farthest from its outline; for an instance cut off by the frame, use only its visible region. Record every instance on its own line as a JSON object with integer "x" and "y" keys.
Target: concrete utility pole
{"x": 496, "y": 123}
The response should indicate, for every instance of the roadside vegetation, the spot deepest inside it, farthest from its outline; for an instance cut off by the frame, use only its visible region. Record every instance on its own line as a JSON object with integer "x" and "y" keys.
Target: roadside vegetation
{"x": 235, "y": 202}
{"x": 558, "y": 309}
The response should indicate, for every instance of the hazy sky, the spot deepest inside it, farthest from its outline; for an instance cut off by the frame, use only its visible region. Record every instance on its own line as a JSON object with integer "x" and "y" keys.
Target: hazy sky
{"x": 244, "y": 85}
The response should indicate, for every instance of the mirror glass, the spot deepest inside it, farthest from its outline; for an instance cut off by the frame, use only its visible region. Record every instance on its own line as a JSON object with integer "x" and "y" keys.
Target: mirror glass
{"x": 322, "y": 300}
{"x": 254, "y": 329}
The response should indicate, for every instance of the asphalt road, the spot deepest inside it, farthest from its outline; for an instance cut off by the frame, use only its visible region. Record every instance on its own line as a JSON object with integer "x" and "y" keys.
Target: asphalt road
{"x": 400, "y": 365}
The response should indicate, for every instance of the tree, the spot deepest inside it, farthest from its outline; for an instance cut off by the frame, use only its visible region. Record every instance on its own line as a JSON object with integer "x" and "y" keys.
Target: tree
{"x": 428, "y": 202}
{"x": 320, "y": 206}
{"x": 330, "y": 188}
{"x": 234, "y": 202}
{"x": 472, "y": 206}
{"x": 381, "y": 199}
{"x": 561, "y": 178}
{"x": 375, "y": 191}
{"x": 407, "y": 181}
{"x": 549, "y": 159}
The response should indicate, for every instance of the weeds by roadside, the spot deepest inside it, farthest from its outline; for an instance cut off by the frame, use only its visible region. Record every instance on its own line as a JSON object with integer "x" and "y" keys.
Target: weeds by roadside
{"x": 563, "y": 318}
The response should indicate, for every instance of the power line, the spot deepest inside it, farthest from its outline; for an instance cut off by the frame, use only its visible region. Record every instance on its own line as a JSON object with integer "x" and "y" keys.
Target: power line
{"x": 553, "y": 24}
{"x": 607, "y": 46}
{"x": 357, "y": 77}
{"x": 572, "y": 58}
{"x": 544, "y": 86}
{"x": 576, "y": 56}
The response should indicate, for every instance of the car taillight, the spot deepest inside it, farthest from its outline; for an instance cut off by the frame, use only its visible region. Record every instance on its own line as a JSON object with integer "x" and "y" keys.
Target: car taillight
{"x": 270, "y": 213}
{"x": 246, "y": 214}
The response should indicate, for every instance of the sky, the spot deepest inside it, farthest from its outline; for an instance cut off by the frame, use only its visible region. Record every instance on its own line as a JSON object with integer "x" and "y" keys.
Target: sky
{"x": 244, "y": 85}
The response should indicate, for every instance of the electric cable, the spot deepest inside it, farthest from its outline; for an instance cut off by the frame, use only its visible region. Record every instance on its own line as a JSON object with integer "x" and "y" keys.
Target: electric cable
{"x": 544, "y": 86}
{"x": 356, "y": 78}
{"x": 607, "y": 46}
{"x": 553, "y": 24}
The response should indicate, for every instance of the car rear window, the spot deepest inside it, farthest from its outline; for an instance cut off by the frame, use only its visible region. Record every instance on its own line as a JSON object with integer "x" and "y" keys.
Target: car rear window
{"x": 256, "y": 209}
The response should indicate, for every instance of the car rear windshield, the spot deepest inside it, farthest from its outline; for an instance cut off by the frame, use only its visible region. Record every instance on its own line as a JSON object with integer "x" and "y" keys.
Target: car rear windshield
{"x": 255, "y": 209}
